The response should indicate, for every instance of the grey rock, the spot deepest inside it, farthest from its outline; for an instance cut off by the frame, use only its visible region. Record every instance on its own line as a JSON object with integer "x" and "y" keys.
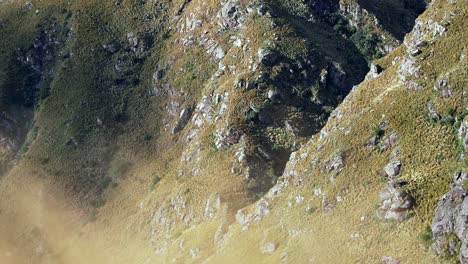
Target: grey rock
{"x": 389, "y": 141}
{"x": 153, "y": 91}
{"x": 442, "y": 83}
{"x": 334, "y": 165}
{"x": 263, "y": 207}
{"x": 72, "y": 142}
{"x": 408, "y": 69}
{"x": 414, "y": 51}
{"x": 219, "y": 53}
{"x": 393, "y": 169}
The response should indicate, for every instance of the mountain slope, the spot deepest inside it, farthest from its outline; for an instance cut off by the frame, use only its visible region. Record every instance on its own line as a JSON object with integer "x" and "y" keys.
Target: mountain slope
{"x": 162, "y": 130}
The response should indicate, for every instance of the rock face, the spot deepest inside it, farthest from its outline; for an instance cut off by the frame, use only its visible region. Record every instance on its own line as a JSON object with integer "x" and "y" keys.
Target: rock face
{"x": 450, "y": 223}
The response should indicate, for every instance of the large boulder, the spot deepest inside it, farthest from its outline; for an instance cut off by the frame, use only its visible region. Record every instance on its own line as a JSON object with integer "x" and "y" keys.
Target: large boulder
{"x": 395, "y": 203}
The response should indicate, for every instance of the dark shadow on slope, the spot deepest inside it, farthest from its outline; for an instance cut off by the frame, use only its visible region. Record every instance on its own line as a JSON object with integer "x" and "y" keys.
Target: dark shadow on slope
{"x": 397, "y": 17}
{"x": 303, "y": 90}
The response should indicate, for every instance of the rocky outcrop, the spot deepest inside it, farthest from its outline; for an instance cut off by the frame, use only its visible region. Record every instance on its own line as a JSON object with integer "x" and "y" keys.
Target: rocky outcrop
{"x": 231, "y": 14}
{"x": 450, "y": 223}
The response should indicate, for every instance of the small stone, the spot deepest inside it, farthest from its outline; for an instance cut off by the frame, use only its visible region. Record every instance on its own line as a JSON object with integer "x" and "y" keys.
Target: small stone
{"x": 389, "y": 260}
{"x": 262, "y": 207}
{"x": 446, "y": 93}
{"x": 268, "y": 248}
{"x": 194, "y": 252}
{"x": 339, "y": 199}
{"x": 219, "y": 53}
{"x": 299, "y": 199}
{"x": 317, "y": 192}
